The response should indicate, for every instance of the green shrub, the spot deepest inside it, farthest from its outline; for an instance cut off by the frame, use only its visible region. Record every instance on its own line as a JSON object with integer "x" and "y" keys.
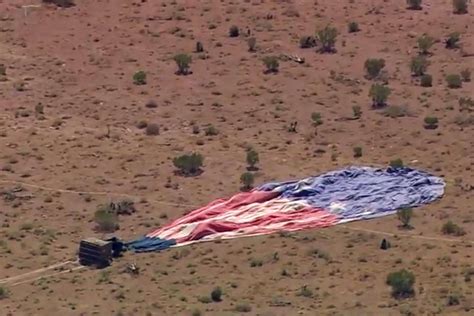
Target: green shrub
{"x": 414, "y": 4}
{"x": 327, "y": 37}
{"x": 199, "y": 47}
{"x": 356, "y": 111}
{"x": 204, "y": 299}
{"x": 152, "y": 129}
{"x": 353, "y": 27}
{"x": 183, "y": 61}
{"x": 307, "y": 42}
{"x": 357, "y": 152}
{"x": 252, "y": 158}
{"x": 211, "y": 131}
{"x": 453, "y": 40}
{"x": 404, "y": 216}
{"x": 216, "y": 294}
{"x": 460, "y": 6}
{"x": 466, "y": 75}
{"x": 234, "y": 31}
{"x": 419, "y": 65}
{"x": 139, "y": 78}
{"x": 373, "y": 66}
{"x": 431, "y": 122}
{"x": 247, "y": 179}
{"x": 424, "y": 44}
{"x": 450, "y": 228}
{"x": 305, "y": 292}
{"x": 402, "y": 283}
{"x": 316, "y": 118}
{"x": 379, "y": 94}
{"x": 189, "y": 165}
{"x": 252, "y": 44}
{"x": 454, "y": 81}
{"x": 106, "y": 219}
{"x": 272, "y": 64}
{"x": 396, "y": 163}
{"x": 426, "y": 81}
{"x": 3, "y": 293}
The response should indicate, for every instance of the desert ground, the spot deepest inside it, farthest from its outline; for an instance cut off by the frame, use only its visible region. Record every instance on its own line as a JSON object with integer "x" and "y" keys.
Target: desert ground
{"x": 72, "y": 138}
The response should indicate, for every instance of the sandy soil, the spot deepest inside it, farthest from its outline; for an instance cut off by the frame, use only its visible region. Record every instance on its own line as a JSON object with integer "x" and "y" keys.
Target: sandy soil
{"x": 78, "y": 64}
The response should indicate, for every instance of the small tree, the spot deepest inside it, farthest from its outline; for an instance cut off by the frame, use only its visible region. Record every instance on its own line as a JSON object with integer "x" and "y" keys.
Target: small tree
{"x": 353, "y": 27}
{"x": 402, "y": 283}
{"x": 216, "y": 294}
{"x": 327, "y": 37}
{"x": 373, "y": 66}
{"x": 454, "y": 81}
{"x": 466, "y": 75}
{"x": 426, "y": 81}
{"x": 418, "y": 65}
{"x": 414, "y": 4}
{"x": 379, "y": 94}
{"x": 272, "y": 64}
{"x": 183, "y": 61}
{"x": 453, "y": 40}
{"x": 356, "y": 111}
{"x": 199, "y": 47}
{"x": 357, "y": 152}
{"x": 431, "y": 122}
{"x": 152, "y": 129}
{"x": 252, "y": 159}
{"x": 404, "y": 216}
{"x": 396, "y": 163}
{"x": 189, "y": 165}
{"x": 450, "y": 228}
{"x": 424, "y": 44}
{"x": 460, "y": 6}
{"x": 106, "y": 219}
{"x": 316, "y": 118}
{"x": 252, "y": 43}
{"x": 234, "y": 31}
{"x": 307, "y": 42}
{"x": 139, "y": 78}
{"x": 247, "y": 179}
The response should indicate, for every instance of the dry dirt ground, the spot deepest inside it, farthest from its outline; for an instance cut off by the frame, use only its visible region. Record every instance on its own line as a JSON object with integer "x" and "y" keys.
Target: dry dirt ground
{"x": 78, "y": 64}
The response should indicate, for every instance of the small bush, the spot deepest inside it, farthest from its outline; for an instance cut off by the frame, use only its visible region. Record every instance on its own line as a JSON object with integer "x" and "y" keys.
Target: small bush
{"x": 356, "y": 111}
{"x": 353, "y": 27}
{"x": 151, "y": 104}
{"x": 307, "y": 42}
{"x": 196, "y": 312}
{"x": 3, "y": 70}
{"x": 327, "y": 37}
{"x": 357, "y": 152}
{"x": 402, "y": 283}
{"x": 142, "y": 124}
{"x": 431, "y": 122}
{"x": 450, "y": 228}
{"x": 152, "y": 129}
{"x": 396, "y": 163}
{"x": 252, "y": 44}
{"x": 373, "y": 66}
{"x": 204, "y": 299}
{"x": 460, "y": 6}
{"x": 453, "y": 40}
{"x": 424, "y": 44}
{"x": 252, "y": 159}
{"x": 211, "y": 131}
{"x": 379, "y": 94}
{"x": 216, "y": 294}
{"x": 272, "y": 64}
{"x": 414, "y": 4}
{"x": 305, "y": 292}
{"x": 426, "y": 81}
{"x": 3, "y": 293}
{"x": 106, "y": 219}
{"x": 139, "y": 78}
{"x": 454, "y": 81}
{"x": 419, "y": 65}
{"x": 183, "y": 61}
{"x": 316, "y": 118}
{"x": 199, "y": 47}
{"x": 189, "y": 165}
{"x": 61, "y": 3}
{"x": 234, "y": 31}
{"x": 404, "y": 216}
{"x": 466, "y": 75}
{"x": 243, "y": 308}
{"x": 247, "y": 179}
